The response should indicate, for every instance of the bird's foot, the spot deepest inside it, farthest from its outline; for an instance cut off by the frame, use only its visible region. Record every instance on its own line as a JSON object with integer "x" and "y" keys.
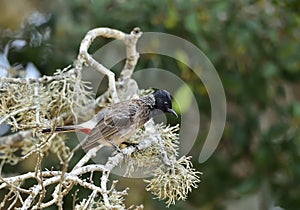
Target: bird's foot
{"x": 135, "y": 145}
{"x": 117, "y": 148}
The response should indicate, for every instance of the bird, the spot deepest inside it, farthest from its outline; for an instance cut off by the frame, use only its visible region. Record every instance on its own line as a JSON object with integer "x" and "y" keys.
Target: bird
{"x": 114, "y": 124}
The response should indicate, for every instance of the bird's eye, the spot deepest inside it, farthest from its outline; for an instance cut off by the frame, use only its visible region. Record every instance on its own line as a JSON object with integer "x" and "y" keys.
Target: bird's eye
{"x": 166, "y": 103}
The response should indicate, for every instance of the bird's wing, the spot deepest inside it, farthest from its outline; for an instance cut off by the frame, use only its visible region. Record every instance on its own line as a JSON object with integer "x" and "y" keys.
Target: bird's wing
{"x": 112, "y": 124}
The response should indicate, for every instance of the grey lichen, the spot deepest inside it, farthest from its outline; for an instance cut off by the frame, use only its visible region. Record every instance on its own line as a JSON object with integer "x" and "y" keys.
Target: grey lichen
{"x": 116, "y": 200}
{"x": 150, "y": 157}
{"x": 39, "y": 103}
{"x": 174, "y": 183}
{"x": 169, "y": 182}
{"x": 31, "y": 104}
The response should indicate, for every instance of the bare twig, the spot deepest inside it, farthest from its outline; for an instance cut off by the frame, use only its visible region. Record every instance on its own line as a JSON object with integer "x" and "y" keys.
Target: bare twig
{"x": 85, "y": 57}
{"x": 130, "y": 41}
{"x": 132, "y": 55}
{"x": 90, "y": 154}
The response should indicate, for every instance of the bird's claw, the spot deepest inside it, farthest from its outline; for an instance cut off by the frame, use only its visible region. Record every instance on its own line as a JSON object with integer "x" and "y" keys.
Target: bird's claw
{"x": 135, "y": 145}
{"x": 117, "y": 148}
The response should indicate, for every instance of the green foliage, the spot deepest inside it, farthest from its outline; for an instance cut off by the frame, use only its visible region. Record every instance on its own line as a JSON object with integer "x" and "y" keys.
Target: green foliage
{"x": 183, "y": 97}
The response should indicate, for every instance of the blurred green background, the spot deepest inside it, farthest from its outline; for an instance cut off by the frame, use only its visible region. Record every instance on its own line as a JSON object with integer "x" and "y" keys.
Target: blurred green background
{"x": 254, "y": 46}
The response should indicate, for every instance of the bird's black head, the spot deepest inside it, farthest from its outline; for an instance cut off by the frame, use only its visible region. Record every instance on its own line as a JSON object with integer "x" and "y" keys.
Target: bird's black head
{"x": 163, "y": 101}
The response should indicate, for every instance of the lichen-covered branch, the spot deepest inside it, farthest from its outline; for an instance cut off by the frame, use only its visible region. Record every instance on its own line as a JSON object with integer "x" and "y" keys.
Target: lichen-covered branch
{"x": 28, "y": 105}
{"x": 132, "y": 55}
{"x": 130, "y": 41}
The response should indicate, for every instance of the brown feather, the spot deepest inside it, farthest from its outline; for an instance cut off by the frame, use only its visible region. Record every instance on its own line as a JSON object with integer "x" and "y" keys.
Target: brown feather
{"x": 118, "y": 123}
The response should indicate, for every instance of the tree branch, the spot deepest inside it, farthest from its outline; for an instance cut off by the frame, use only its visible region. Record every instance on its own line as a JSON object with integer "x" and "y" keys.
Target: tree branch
{"x": 64, "y": 91}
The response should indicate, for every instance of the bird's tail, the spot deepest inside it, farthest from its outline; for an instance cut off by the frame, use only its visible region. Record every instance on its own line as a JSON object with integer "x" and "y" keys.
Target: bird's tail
{"x": 68, "y": 128}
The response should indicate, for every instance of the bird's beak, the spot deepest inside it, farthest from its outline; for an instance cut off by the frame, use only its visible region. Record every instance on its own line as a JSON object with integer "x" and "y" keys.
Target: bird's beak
{"x": 173, "y": 112}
